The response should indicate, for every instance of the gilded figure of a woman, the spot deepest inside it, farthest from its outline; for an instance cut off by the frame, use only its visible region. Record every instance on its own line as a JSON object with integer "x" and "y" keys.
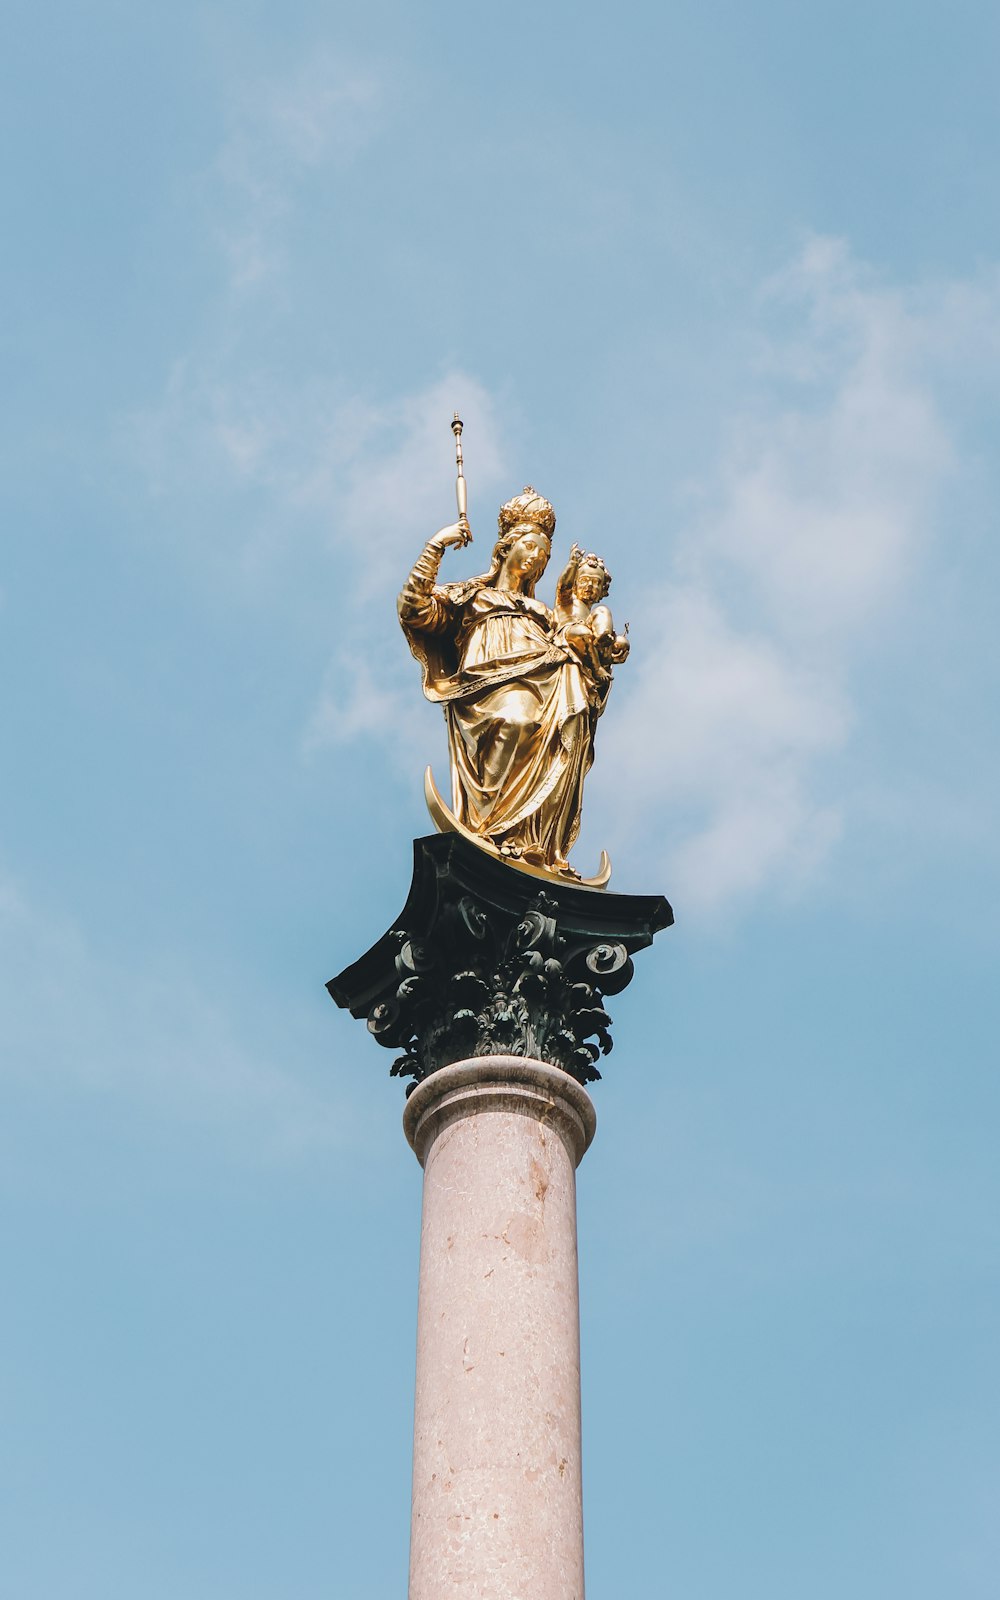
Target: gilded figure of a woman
{"x": 518, "y": 705}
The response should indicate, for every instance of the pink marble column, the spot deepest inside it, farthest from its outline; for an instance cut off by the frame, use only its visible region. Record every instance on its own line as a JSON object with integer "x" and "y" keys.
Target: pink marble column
{"x": 497, "y": 1491}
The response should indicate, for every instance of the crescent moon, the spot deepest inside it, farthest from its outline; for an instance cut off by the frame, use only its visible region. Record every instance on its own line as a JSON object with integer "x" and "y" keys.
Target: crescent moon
{"x": 445, "y": 821}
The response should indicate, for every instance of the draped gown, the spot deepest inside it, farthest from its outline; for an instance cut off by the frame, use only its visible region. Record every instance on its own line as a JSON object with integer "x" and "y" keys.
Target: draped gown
{"x": 520, "y": 722}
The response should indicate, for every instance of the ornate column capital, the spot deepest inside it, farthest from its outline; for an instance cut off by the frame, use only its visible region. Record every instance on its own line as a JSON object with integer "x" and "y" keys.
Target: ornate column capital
{"x": 483, "y": 961}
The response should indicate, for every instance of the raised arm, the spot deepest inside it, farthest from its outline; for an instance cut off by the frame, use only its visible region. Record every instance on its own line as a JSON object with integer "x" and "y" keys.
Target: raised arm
{"x": 421, "y": 605}
{"x": 565, "y": 582}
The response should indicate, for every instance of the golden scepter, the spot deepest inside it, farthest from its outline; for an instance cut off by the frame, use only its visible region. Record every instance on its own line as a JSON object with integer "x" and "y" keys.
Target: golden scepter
{"x": 461, "y": 494}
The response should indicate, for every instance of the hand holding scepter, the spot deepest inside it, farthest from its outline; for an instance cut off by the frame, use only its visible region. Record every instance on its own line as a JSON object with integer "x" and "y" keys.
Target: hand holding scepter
{"x": 461, "y": 494}
{"x": 459, "y": 533}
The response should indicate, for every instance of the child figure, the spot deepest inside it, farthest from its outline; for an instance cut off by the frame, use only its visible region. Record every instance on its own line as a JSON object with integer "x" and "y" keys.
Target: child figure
{"x": 586, "y": 625}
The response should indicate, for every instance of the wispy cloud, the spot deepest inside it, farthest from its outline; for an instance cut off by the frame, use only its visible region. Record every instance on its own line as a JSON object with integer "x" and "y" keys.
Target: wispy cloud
{"x": 368, "y": 482}
{"x": 399, "y": 481}
{"x": 340, "y": 715}
{"x": 282, "y": 130}
{"x": 361, "y": 475}
{"x": 827, "y": 494}
{"x": 711, "y": 751}
{"x": 253, "y": 462}
{"x": 393, "y": 492}
{"x": 826, "y": 497}
{"x": 824, "y": 501}
{"x": 229, "y": 419}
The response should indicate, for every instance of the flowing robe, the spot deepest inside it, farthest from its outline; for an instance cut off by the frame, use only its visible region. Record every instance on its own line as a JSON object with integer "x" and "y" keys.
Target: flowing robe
{"x": 520, "y": 723}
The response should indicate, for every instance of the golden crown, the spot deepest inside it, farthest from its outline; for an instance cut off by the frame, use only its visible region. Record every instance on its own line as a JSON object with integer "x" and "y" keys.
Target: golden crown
{"x": 589, "y": 559}
{"x": 527, "y": 507}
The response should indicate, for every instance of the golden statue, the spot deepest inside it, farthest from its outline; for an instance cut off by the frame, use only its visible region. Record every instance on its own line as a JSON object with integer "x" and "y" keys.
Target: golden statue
{"x": 522, "y": 685}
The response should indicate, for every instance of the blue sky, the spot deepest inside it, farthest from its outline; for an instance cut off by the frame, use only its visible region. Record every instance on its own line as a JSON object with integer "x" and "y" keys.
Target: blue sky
{"x": 724, "y": 283}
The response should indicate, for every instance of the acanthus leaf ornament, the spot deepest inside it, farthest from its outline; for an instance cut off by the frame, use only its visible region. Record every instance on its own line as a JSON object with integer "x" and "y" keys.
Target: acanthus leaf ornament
{"x": 504, "y": 969}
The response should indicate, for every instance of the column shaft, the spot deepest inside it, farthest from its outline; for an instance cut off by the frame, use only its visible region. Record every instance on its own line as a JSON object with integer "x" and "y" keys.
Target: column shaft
{"x": 497, "y": 1489}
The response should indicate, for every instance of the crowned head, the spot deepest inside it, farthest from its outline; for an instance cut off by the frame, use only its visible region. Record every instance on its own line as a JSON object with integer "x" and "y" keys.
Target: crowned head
{"x": 593, "y": 580}
{"x": 528, "y": 509}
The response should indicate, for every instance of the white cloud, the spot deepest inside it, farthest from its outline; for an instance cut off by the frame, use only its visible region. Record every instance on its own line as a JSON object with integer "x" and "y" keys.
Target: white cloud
{"x": 826, "y": 498}
{"x": 395, "y": 488}
{"x": 400, "y": 484}
{"x": 360, "y": 475}
{"x": 352, "y": 705}
{"x": 368, "y": 482}
{"x": 710, "y": 751}
{"x": 828, "y": 493}
{"x": 253, "y": 463}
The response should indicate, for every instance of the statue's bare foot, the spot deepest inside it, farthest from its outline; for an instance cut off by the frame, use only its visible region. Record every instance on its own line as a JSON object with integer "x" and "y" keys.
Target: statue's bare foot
{"x": 534, "y": 857}
{"x": 566, "y": 871}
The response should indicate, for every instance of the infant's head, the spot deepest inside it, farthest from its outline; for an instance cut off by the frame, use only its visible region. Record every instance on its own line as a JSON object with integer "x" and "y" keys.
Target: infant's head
{"x": 592, "y": 581}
